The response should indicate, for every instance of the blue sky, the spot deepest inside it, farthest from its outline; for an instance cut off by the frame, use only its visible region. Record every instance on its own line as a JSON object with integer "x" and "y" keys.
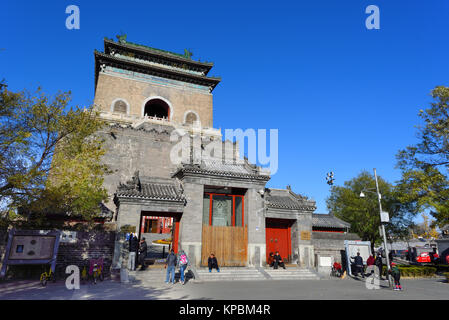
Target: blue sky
{"x": 343, "y": 98}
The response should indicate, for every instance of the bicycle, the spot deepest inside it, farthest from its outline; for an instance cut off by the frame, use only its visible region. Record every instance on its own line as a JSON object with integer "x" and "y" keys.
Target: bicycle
{"x": 336, "y": 270}
{"x": 95, "y": 270}
{"x": 84, "y": 275}
{"x": 97, "y": 273}
{"x": 45, "y": 276}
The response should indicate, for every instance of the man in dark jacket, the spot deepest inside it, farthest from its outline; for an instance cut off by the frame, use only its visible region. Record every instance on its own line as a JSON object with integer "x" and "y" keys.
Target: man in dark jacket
{"x": 133, "y": 246}
{"x": 379, "y": 264}
{"x": 170, "y": 265}
{"x": 358, "y": 265}
{"x": 142, "y": 253}
{"x": 212, "y": 263}
{"x": 278, "y": 260}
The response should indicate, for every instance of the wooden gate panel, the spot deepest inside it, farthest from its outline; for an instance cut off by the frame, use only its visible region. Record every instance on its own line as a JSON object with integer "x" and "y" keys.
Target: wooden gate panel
{"x": 229, "y": 244}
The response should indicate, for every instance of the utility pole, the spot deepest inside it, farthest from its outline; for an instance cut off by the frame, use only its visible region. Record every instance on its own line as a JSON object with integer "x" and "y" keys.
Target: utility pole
{"x": 383, "y": 230}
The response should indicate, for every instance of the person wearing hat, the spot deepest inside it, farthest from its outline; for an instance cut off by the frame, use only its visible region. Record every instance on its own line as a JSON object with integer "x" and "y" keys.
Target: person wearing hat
{"x": 396, "y": 274}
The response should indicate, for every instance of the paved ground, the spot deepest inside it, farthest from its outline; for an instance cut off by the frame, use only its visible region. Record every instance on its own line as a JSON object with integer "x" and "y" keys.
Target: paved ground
{"x": 432, "y": 289}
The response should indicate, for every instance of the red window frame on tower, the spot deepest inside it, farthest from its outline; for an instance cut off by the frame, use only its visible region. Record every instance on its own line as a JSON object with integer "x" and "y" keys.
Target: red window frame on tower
{"x": 233, "y": 196}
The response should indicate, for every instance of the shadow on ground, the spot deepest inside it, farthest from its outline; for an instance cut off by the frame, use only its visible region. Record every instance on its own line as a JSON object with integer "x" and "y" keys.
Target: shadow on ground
{"x": 107, "y": 290}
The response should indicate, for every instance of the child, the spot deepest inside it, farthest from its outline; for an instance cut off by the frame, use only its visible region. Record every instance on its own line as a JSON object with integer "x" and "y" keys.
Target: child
{"x": 396, "y": 273}
{"x": 183, "y": 262}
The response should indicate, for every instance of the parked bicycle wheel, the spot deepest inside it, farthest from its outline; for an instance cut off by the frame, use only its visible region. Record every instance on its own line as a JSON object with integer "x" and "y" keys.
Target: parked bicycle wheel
{"x": 43, "y": 279}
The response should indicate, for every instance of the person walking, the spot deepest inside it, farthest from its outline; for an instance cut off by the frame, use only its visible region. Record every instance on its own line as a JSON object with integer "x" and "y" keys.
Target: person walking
{"x": 396, "y": 274}
{"x": 370, "y": 265}
{"x": 212, "y": 263}
{"x": 133, "y": 247}
{"x": 142, "y": 253}
{"x": 278, "y": 260}
{"x": 170, "y": 265}
{"x": 379, "y": 264}
{"x": 358, "y": 263}
{"x": 183, "y": 262}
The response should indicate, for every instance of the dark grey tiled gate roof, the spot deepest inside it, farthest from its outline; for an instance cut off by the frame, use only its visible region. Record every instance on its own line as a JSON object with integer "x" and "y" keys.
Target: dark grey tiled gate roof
{"x": 328, "y": 221}
{"x": 287, "y": 199}
{"x": 153, "y": 191}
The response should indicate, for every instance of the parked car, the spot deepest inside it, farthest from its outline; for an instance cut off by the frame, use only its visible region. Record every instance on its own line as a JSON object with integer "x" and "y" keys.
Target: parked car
{"x": 427, "y": 257}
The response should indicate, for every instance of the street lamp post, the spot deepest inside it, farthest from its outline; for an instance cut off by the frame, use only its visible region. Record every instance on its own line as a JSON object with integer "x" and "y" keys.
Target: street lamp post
{"x": 383, "y": 230}
{"x": 382, "y": 227}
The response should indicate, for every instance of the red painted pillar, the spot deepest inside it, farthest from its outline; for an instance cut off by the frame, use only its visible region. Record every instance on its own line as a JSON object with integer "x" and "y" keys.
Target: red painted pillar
{"x": 142, "y": 228}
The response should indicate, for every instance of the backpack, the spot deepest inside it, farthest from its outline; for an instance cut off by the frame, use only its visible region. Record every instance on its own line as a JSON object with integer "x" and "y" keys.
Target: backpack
{"x": 183, "y": 259}
{"x": 395, "y": 271}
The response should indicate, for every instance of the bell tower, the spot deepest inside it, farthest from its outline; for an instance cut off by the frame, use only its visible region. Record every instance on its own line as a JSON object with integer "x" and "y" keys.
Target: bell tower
{"x": 136, "y": 82}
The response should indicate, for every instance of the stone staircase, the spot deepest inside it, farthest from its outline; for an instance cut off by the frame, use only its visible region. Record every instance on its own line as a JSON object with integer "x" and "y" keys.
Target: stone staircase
{"x": 292, "y": 273}
{"x": 229, "y": 274}
{"x": 156, "y": 274}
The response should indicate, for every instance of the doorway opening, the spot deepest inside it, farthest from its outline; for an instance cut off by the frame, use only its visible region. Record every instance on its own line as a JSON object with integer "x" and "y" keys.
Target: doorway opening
{"x": 278, "y": 237}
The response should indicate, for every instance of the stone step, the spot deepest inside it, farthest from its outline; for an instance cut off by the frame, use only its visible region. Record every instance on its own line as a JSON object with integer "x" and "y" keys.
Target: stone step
{"x": 292, "y": 274}
{"x": 228, "y": 274}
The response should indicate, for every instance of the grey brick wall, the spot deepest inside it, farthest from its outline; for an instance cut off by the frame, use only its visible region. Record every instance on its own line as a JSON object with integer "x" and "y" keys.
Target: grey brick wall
{"x": 330, "y": 244}
{"x": 88, "y": 245}
{"x": 129, "y": 150}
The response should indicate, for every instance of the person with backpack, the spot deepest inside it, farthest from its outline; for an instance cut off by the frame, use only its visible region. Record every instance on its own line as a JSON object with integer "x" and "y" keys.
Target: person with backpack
{"x": 170, "y": 264}
{"x": 396, "y": 274}
{"x": 183, "y": 262}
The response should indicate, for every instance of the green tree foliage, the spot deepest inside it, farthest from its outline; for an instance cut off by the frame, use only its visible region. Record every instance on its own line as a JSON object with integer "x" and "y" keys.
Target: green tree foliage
{"x": 425, "y": 165}
{"x": 363, "y": 213}
{"x": 49, "y": 155}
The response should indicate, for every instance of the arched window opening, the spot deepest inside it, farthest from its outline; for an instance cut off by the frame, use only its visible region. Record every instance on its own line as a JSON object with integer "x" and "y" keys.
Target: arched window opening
{"x": 191, "y": 118}
{"x": 120, "y": 107}
{"x": 157, "y": 108}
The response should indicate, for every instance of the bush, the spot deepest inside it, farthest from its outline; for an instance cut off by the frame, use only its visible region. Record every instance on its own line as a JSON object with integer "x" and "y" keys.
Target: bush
{"x": 442, "y": 268}
{"x": 447, "y": 275}
{"x": 405, "y": 271}
{"x": 417, "y": 271}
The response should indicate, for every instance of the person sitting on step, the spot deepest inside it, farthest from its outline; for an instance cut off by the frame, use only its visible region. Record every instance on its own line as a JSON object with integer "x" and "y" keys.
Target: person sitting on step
{"x": 212, "y": 263}
{"x": 278, "y": 261}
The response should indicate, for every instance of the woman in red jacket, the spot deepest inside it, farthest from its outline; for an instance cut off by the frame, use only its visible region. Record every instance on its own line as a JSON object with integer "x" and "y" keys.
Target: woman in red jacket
{"x": 370, "y": 265}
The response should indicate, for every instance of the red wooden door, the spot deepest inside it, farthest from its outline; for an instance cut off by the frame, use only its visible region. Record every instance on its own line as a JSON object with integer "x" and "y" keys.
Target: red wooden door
{"x": 278, "y": 237}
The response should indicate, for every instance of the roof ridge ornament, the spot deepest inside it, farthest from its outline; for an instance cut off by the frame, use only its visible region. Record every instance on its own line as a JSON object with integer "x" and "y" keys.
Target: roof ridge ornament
{"x": 121, "y": 38}
{"x": 188, "y": 54}
{"x": 131, "y": 185}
